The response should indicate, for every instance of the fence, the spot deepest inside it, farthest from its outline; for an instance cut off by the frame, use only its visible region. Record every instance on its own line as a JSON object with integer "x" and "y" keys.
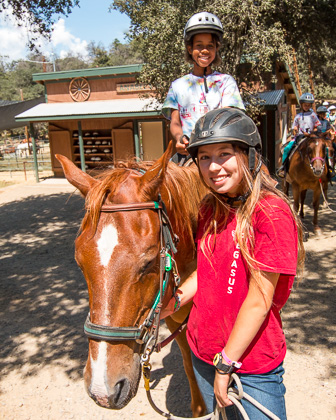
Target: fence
{"x": 22, "y": 165}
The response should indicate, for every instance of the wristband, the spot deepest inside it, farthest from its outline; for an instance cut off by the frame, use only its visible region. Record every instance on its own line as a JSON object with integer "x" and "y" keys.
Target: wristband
{"x": 177, "y": 303}
{"x": 230, "y": 362}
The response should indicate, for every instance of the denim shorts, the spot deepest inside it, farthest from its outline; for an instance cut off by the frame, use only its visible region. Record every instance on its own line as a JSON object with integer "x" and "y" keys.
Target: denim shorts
{"x": 268, "y": 389}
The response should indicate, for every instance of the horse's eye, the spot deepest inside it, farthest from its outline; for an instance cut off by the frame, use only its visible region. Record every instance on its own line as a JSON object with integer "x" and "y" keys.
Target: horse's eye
{"x": 149, "y": 266}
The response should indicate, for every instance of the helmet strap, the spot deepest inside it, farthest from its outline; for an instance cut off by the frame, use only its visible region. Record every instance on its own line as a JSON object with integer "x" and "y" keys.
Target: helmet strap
{"x": 235, "y": 201}
{"x": 252, "y": 158}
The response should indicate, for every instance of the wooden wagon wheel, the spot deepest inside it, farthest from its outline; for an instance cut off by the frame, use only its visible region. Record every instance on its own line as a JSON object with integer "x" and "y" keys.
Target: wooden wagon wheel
{"x": 79, "y": 89}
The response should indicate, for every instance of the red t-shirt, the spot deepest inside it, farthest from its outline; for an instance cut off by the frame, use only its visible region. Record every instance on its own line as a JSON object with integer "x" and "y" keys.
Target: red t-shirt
{"x": 223, "y": 285}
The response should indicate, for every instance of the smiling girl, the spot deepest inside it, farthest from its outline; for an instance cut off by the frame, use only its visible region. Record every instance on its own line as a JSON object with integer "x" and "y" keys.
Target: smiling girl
{"x": 249, "y": 246}
{"x": 194, "y": 94}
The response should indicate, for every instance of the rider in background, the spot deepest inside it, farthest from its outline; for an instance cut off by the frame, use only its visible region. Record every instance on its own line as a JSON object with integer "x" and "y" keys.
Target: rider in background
{"x": 202, "y": 90}
{"x": 329, "y": 125}
{"x": 325, "y": 126}
{"x": 305, "y": 122}
{"x": 249, "y": 244}
{"x": 332, "y": 115}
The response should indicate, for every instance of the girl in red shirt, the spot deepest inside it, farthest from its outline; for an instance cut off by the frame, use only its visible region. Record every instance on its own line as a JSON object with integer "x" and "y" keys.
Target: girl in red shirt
{"x": 249, "y": 245}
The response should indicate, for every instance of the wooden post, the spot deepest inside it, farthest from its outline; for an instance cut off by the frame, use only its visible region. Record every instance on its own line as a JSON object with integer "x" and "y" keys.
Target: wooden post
{"x": 31, "y": 128}
{"x": 81, "y": 146}
{"x": 26, "y": 128}
{"x": 136, "y": 138}
{"x": 44, "y": 66}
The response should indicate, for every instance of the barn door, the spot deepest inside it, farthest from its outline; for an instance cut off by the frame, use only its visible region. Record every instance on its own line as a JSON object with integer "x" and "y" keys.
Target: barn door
{"x": 123, "y": 143}
{"x": 59, "y": 144}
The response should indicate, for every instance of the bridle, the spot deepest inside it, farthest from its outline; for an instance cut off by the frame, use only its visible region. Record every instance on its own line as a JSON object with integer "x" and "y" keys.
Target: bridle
{"x": 311, "y": 161}
{"x": 147, "y": 333}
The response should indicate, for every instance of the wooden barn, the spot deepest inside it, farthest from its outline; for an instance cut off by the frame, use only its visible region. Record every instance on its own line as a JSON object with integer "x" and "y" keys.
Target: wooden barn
{"x": 97, "y": 116}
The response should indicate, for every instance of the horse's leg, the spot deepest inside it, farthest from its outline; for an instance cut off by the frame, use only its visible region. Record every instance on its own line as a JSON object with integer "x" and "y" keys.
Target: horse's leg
{"x": 325, "y": 191}
{"x": 296, "y": 196}
{"x": 316, "y": 204}
{"x": 197, "y": 403}
{"x": 302, "y": 200}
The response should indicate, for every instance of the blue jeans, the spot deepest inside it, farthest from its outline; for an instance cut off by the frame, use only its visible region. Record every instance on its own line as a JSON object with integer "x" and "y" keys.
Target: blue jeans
{"x": 268, "y": 389}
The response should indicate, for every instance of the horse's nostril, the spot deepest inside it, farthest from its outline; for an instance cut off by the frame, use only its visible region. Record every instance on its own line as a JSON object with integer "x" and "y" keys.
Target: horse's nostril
{"x": 120, "y": 394}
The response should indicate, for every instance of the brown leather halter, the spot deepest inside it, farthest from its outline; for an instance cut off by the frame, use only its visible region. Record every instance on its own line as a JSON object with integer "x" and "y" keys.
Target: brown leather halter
{"x": 147, "y": 333}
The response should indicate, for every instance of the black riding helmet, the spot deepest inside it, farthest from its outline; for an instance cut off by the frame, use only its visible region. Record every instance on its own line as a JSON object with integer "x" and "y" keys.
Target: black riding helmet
{"x": 229, "y": 125}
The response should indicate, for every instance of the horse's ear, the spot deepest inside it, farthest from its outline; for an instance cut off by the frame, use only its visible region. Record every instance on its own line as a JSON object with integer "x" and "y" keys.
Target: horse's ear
{"x": 79, "y": 179}
{"x": 154, "y": 177}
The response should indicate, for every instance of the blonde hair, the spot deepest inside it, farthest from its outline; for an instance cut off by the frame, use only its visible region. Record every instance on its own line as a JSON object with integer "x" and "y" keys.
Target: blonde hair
{"x": 259, "y": 187}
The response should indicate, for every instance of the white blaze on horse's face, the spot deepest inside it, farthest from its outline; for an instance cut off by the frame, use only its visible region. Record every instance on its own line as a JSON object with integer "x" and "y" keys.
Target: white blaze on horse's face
{"x": 106, "y": 243}
{"x": 98, "y": 385}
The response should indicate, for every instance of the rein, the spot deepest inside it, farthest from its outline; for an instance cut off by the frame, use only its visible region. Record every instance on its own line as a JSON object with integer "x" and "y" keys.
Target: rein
{"x": 147, "y": 333}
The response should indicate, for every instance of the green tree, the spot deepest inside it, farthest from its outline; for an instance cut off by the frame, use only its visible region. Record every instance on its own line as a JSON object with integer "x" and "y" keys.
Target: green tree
{"x": 98, "y": 55}
{"x": 125, "y": 53}
{"x": 119, "y": 54}
{"x": 39, "y": 14}
{"x": 255, "y": 32}
{"x": 70, "y": 62}
{"x": 17, "y": 76}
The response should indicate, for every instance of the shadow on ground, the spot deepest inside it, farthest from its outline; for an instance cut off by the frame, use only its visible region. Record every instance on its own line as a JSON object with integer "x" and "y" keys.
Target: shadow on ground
{"x": 43, "y": 297}
{"x": 310, "y": 314}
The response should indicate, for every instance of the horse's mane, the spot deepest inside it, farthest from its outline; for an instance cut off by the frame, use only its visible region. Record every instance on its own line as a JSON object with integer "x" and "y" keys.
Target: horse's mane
{"x": 181, "y": 190}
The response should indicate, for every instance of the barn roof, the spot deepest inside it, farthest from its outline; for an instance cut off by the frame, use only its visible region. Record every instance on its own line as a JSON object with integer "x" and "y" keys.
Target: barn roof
{"x": 133, "y": 107}
{"x": 9, "y": 110}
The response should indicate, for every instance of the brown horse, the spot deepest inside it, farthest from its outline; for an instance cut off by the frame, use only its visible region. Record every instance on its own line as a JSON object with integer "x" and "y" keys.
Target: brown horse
{"x": 308, "y": 170}
{"x": 118, "y": 251}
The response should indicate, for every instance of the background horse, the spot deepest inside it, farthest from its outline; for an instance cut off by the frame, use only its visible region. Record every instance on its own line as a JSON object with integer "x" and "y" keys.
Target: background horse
{"x": 119, "y": 255}
{"x": 308, "y": 171}
{"x": 23, "y": 149}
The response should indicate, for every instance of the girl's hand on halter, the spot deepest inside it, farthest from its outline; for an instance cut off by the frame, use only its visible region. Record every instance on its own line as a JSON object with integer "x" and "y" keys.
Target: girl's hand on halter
{"x": 186, "y": 292}
{"x": 221, "y": 385}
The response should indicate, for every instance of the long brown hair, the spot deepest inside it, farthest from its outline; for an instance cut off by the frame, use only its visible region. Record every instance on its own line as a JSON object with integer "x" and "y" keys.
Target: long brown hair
{"x": 259, "y": 187}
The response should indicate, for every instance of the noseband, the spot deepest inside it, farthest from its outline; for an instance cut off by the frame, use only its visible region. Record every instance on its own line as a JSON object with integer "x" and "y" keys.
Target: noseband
{"x": 147, "y": 333}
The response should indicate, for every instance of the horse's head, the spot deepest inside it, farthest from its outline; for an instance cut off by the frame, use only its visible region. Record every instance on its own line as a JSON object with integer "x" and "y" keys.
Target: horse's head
{"x": 317, "y": 147}
{"x": 119, "y": 255}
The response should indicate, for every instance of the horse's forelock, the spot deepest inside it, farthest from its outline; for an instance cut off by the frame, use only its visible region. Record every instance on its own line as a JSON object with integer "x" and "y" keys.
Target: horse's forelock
{"x": 97, "y": 195}
{"x": 181, "y": 189}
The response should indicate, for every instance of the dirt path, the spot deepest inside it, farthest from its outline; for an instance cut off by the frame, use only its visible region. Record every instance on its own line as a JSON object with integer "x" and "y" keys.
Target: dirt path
{"x": 43, "y": 304}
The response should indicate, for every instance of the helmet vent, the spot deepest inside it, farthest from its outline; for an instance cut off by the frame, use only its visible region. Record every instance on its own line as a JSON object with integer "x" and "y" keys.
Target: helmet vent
{"x": 201, "y": 122}
{"x": 232, "y": 121}
{"x": 216, "y": 119}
